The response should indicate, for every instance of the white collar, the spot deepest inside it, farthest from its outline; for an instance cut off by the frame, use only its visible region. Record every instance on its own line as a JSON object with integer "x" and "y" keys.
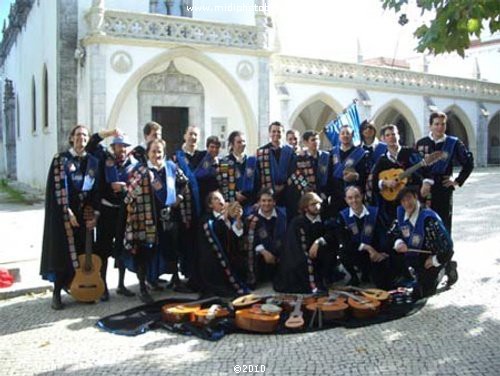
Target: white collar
{"x": 185, "y": 150}
{"x": 308, "y": 152}
{"x": 316, "y": 218}
{"x": 437, "y": 141}
{"x": 363, "y": 212}
{"x": 273, "y": 214}
{"x": 216, "y": 214}
{"x": 373, "y": 145}
{"x": 414, "y": 215}
{"x": 239, "y": 159}
{"x": 151, "y": 166}
{"x": 390, "y": 155}
{"x": 73, "y": 152}
{"x": 351, "y": 145}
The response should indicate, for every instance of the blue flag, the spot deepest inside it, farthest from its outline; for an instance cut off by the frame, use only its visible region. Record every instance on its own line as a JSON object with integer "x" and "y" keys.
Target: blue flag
{"x": 349, "y": 117}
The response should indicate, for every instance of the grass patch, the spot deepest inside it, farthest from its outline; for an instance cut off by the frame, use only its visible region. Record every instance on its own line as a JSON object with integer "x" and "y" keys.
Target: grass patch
{"x": 13, "y": 194}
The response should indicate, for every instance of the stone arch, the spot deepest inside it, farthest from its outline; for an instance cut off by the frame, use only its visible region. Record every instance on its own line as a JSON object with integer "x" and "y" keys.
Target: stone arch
{"x": 314, "y": 113}
{"x": 190, "y": 53}
{"x": 459, "y": 124}
{"x": 494, "y": 140}
{"x": 175, "y": 100}
{"x": 397, "y": 113}
{"x": 322, "y": 98}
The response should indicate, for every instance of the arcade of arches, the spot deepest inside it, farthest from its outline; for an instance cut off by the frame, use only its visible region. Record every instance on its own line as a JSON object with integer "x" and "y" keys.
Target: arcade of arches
{"x": 494, "y": 140}
{"x": 314, "y": 117}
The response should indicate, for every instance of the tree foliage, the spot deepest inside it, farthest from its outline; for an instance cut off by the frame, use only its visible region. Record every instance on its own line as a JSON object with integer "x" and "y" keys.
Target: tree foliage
{"x": 454, "y": 23}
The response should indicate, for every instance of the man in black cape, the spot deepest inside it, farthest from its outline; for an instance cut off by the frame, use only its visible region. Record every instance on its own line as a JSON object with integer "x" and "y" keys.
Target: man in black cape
{"x": 305, "y": 260}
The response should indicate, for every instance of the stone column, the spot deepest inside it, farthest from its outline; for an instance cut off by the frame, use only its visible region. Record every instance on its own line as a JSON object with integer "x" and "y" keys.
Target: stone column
{"x": 10, "y": 129}
{"x": 97, "y": 93}
{"x": 481, "y": 157}
{"x": 263, "y": 115}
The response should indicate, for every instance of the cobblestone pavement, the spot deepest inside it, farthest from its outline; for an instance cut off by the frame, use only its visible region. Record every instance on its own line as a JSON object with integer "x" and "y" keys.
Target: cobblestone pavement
{"x": 457, "y": 333}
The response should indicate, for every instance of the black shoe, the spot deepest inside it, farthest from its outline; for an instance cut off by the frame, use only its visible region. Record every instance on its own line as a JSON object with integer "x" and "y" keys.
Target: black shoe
{"x": 182, "y": 287}
{"x": 145, "y": 297}
{"x": 155, "y": 286}
{"x": 353, "y": 281}
{"x": 452, "y": 273}
{"x": 122, "y": 290}
{"x": 105, "y": 296}
{"x": 56, "y": 304}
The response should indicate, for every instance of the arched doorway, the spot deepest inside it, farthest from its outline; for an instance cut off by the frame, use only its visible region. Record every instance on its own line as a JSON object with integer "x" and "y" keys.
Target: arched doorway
{"x": 392, "y": 116}
{"x": 174, "y": 100}
{"x": 314, "y": 114}
{"x": 494, "y": 140}
{"x": 455, "y": 127}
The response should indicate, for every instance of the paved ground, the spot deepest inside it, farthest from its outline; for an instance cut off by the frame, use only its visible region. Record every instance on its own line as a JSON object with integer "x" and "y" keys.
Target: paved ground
{"x": 457, "y": 333}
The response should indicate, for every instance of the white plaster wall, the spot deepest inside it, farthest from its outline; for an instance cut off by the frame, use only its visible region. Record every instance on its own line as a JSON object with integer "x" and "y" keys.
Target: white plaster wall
{"x": 240, "y": 11}
{"x": 219, "y": 101}
{"x": 25, "y": 60}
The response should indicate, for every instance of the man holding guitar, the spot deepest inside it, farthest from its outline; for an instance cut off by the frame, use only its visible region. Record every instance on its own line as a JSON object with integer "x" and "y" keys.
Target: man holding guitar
{"x": 388, "y": 170}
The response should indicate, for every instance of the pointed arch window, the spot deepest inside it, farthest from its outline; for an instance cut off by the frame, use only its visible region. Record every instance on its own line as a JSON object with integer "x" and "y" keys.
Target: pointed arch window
{"x": 33, "y": 105}
{"x": 45, "y": 99}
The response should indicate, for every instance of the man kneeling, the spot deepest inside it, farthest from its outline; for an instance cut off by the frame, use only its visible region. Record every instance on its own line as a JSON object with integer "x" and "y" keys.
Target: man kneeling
{"x": 304, "y": 262}
{"x": 423, "y": 240}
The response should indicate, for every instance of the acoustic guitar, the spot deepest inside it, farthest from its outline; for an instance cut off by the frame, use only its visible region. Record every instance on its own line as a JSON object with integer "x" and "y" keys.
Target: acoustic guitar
{"x": 257, "y": 320}
{"x": 296, "y": 319}
{"x": 401, "y": 176}
{"x": 87, "y": 284}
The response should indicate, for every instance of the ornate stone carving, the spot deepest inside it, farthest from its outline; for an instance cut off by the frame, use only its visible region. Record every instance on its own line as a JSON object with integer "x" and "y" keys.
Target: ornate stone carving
{"x": 95, "y": 17}
{"x": 245, "y": 70}
{"x": 121, "y": 62}
{"x": 365, "y": 76}
{"x": 184, "y": 30}
{"x": 171, "y": 81}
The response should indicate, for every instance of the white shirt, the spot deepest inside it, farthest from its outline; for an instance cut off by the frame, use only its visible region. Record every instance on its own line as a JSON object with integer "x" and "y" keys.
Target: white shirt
{"x": 239, "y": 159}
{"x": 185, "y": 150}
{"x": 73, "y": 152}
{"x": 361, "y": 215}
{"x": 439, "y": 140}
{"x": 237, "y": 231}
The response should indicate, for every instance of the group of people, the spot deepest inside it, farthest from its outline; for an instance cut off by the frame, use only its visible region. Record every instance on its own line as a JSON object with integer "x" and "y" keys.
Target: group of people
{"x": 291, "y": 214}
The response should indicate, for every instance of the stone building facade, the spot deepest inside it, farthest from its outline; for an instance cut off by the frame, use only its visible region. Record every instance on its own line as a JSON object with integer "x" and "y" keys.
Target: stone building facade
{"x": 121, "y": 63}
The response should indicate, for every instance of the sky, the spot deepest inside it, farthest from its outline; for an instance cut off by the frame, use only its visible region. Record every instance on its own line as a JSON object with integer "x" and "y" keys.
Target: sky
{"x": 4, "y": 10}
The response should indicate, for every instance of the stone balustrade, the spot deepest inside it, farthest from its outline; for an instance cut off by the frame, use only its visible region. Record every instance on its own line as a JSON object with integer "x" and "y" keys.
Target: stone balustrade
{"x": 181, "y": 30}
{"x": 289, "y": 68}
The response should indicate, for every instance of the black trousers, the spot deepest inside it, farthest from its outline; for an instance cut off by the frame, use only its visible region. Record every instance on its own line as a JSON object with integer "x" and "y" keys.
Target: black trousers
{"x": 442, "y": 203}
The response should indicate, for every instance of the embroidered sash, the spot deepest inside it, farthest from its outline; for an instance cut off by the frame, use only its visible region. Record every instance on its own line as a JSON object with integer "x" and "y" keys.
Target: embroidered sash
{"x": 212, "y": 238}
{"x": 165, "y": 190}
{"x": 369, "y": 221}
{"x": 140, "y": 228}
{"x": 61, "y": 192}
{"x": 115, "y": 173}
{"x": 272, "y": 172}
{"x": 310, "y": 266}
{"x": 350, "y": 162}
{"x": 414, "y": 236}
{"x": 439, "y": 168}
{"x": 193, "y": 182}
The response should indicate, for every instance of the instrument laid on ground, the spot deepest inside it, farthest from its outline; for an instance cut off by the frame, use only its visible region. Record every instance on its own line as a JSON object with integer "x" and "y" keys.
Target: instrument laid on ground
{"x": 296, "y": 319}
{"x": 207, "y": 315}
{"x": 327, "y": 309}
{"x": 87, "y": 284}
{"x": 362, "y": 307}
{"x": 256, "y": 320}
{"x": 401, "y": 176}
{"x": 179, "y": 313}
{"x": 378, "y": 294}
{"x": 246, "y": 301}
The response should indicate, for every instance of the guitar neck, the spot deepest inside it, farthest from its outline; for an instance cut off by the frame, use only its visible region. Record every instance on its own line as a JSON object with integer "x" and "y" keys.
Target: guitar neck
{"x": 411, "y": 170}
{"x": 88, "y": 247}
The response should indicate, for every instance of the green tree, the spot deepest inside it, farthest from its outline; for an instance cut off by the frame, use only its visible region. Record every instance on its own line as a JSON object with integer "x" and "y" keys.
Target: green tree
{"x": 454, "y": 22}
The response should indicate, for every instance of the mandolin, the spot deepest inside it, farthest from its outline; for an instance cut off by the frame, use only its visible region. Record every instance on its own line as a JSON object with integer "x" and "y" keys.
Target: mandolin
{"x": 296, "y": 319}
{"x": 401, "y": 176}
{"x": 247, "y": 301}
{"x": 87, "y": 284}
{"x": 207, "y": 315}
